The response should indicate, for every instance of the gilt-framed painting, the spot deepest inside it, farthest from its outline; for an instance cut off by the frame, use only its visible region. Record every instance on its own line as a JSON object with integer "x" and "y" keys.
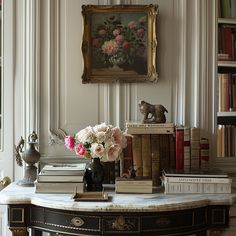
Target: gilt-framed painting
{"x": 119, "y": 43}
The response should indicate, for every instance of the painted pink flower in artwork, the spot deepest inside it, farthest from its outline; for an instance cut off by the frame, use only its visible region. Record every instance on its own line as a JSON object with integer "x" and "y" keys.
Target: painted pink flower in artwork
{"x": 140, "y": 33}
{"x": 102, "y": 32}
{"x": 69, "y": 142}
{"x": 116, "y": 32}
{"x": 110, "y": 47}
{"x": 126, "y": 45}
{"x": 96, "y": 42}
{"x": 132, "y": 24}
{"x": 119, "y": 39}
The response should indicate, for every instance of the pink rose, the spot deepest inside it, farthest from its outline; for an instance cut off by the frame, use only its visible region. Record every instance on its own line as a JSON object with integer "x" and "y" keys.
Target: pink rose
{"x": 80, "y": 149}
{"x": 69, "y": 142}
{"x": 132, "y": 24}
{"x": 102, "y": 32}
{"x": 114, "y": 152}
{"x": 119, "y": 38}
{"x": 118, "y": 137}
{"x": 97, "y": 150}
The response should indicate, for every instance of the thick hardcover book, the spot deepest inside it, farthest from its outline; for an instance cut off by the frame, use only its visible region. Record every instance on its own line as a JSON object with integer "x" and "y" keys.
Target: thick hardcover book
{"x": 138, "y": 181}
{"x": 52, "y": 187}
{"x": 180, "y": 188}
{"x": 64, "y": 169}
{"x": 146, "y": 155}
{"x": 179, "y": 133}
{"x": 59, "y": 178}
{"x": 208, "y": 180}
{"x": 140, "y": 128}
{"x": 137, "y": 154}
{"x": 165, "y": 151}
{"x": 211, "y": 173}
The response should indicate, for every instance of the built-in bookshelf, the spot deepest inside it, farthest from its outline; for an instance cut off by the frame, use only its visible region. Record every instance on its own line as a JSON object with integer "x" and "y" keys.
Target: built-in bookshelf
{"x": 226, "y": 79}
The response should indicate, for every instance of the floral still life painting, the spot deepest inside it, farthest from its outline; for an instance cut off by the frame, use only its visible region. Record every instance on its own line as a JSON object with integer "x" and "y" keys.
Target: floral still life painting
{"x": 119, "y": 43}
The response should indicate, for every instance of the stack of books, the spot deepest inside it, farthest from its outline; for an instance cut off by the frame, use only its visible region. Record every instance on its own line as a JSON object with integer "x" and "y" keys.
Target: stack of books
{"x": 61, "y": 178}
{"x": 133, "y": 185}
{"x": 195, "y": 181}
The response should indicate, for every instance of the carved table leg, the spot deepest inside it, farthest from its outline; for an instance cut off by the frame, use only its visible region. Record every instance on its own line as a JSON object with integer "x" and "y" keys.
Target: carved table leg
{"x": 19, "y": 231}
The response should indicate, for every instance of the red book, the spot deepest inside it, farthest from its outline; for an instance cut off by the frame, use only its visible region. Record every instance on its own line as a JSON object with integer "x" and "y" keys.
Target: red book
{"x": 179, "y": 133}
{"x": 228, "y": 41}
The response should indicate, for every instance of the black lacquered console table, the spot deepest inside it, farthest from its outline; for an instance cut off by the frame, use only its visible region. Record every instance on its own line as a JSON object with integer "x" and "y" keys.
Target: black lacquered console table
{"x": 123, "y": 214}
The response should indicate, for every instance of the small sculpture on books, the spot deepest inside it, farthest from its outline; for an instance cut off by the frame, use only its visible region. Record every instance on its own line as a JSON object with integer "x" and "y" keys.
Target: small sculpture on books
{"x": 152, "y": 113}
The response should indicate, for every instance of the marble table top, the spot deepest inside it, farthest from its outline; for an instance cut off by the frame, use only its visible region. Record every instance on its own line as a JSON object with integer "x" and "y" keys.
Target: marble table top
{"x": 156, "y": 202}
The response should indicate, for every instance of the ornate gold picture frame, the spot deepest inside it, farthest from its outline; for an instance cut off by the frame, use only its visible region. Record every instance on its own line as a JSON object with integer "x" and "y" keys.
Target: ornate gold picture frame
{"x": 119, "y": 43}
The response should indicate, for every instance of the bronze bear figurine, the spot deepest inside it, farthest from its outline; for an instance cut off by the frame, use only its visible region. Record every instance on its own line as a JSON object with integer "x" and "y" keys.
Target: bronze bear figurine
{"x": 152, "y": 113}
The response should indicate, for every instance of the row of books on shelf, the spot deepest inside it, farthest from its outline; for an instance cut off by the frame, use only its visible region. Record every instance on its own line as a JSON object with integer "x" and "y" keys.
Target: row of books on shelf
{"x": 227, "y": 8}
{"x": 61, "y": 178}
{"x": 226, "y": 139}
{"x": 227, "y": 92}
{"x": 227, "y": 42}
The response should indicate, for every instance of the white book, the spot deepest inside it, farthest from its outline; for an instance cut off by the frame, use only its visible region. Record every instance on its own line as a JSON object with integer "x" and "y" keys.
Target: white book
{"x": 196, "y": 180}
{"x": 191, "y": 188}
{"x": 55, "y": 167}
{"x": 52, "y": 187}
{"x": 64, "y": 169}
{"x": 59, "y": 178}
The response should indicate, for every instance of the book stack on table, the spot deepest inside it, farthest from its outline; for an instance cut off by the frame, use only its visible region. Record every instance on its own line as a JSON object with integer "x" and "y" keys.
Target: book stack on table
{"x": 195, "y": 181}
{"x": 61, "y": 178}
{"x": 133, "y": 185}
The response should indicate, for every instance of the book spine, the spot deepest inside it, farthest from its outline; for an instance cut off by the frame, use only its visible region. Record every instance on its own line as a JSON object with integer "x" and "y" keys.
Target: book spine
{"x": 179, "y": 148}
{"x": 137, "y": 154}
{"x": 204, "y": 153}
{"x": 168, "y": 179}
{"x": 149, "y": 130}
{"x": 186, "y": 147}
{"x": 164, "y": 152}
{"x": 146, "y": 155}
{"x": 155, "y": 150}
{"x": 127, "y": 159}
{"x": 195, "y": 147}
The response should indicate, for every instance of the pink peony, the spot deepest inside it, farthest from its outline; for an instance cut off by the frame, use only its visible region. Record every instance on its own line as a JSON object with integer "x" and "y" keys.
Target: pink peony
{"x": 69, "y": 142}
{"x": 118, "y": 137}
{"x": 102, "y": 32}
{"x": 110, "y": 47}
{"x": 85, "y": 135}
{"x": 80, "y": 149}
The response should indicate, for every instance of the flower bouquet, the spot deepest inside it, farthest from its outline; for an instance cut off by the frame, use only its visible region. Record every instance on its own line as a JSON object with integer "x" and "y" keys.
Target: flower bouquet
{"x": 99, "y": 143}
{"x": 103, "y": 141}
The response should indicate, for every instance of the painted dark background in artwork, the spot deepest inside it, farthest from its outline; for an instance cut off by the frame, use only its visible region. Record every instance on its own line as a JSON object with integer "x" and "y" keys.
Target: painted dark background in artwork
{"x": 119, "y": 42}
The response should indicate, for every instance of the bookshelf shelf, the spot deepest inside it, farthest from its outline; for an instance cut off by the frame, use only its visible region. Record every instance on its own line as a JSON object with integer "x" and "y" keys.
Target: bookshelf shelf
{"x": 226, "y": 81}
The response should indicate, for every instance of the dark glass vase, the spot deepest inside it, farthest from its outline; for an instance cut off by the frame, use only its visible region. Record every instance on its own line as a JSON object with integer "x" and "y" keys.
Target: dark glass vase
{"x": 94, "y": 175}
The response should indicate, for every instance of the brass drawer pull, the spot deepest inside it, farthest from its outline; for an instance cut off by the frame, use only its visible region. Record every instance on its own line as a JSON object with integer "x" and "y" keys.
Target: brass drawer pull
{"x": 77, "y": 221}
